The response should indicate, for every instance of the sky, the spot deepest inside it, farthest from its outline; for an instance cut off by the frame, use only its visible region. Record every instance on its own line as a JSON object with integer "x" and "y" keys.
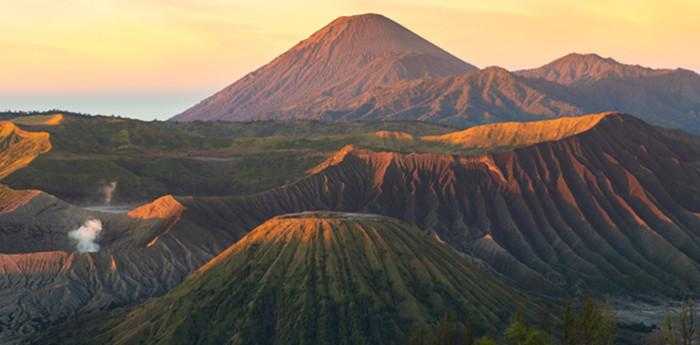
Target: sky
{"x": 151, "y": 59}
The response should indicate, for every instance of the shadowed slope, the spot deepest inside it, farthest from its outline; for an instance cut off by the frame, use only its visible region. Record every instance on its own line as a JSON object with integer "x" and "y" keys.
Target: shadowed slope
{"x": 342, "y": 60}
{"x": 318, "y": 278}
{"x": 43, "y": 279}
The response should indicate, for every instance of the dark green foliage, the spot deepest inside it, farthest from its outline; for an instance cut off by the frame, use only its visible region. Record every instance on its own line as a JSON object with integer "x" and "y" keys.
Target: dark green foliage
{"x": 520, "y": 333}
{"x": 588, "y": 323}
{"x": 447, "y": 331}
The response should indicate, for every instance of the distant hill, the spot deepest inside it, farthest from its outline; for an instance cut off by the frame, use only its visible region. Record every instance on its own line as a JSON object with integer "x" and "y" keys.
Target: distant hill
{"x": 317, "y": 278}
{"x": 485, "y": 96}
{"x": 667, "y": 97}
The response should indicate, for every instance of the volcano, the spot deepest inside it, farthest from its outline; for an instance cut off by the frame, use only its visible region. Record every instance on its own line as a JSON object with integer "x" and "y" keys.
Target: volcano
{"x": 346, "y": 58}
{"x": 320, "y": 278}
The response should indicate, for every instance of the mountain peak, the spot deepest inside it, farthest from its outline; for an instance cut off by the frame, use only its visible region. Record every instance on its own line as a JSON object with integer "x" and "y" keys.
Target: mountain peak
{"x": 346, "y": 58}
{"x": 582, "y": 68}
{"x": 585, "y": 57}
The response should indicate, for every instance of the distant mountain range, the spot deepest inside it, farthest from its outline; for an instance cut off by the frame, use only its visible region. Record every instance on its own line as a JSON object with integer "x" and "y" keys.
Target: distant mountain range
{"x": 370, "y": 67}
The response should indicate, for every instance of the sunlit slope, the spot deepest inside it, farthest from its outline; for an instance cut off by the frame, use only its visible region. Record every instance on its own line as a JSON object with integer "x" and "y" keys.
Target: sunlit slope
{"x": 517, "y": 134}
{"x": 39, "y": 120}
{"x": 319, "y": 278}
{"x": 18, "y": 147}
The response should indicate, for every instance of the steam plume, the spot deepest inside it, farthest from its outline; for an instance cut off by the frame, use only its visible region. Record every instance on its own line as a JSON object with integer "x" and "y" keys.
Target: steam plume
{"x": 86, "y": 235}
{"x": 107, "y": 191}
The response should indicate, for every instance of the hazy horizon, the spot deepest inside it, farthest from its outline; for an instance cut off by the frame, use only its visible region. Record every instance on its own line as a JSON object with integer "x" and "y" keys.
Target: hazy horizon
{"x": 154, "y": 59}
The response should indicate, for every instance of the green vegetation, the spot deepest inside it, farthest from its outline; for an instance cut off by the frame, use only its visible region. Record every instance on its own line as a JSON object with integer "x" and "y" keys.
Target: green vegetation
{"x": 584, "y": 322}
{"x": 149, "y": 159}
{"x": 678, "y": 327}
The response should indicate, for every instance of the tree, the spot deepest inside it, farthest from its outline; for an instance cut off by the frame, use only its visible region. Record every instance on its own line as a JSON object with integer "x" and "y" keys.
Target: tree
{"x": 679, "y": 328}
{"x": 446, "y": 332}
{"x": 593, "y": 323}
{"x": 520, "y": 333}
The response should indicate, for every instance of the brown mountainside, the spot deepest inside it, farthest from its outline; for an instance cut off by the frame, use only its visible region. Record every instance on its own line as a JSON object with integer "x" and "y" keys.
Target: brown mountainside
{"x": 612, "y": 209}
{"x": 348, "y": 57}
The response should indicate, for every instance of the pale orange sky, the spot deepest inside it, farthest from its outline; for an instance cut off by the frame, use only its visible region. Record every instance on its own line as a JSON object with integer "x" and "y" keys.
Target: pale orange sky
{"x": 153, "y": 58}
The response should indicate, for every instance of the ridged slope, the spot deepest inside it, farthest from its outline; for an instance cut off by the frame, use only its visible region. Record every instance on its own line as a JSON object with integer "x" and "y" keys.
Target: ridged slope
{"x": 613, "y": 209}
{"x": 18, "y": 147}
{"x": 342, "y": 60}
{"x": 319, "y": 278}
{"x": 43, "y": 279}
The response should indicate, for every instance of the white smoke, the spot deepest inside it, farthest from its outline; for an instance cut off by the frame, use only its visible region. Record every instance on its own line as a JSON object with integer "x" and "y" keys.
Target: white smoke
{"x": 86, "y": 235}
{"x": 107, "y": 192}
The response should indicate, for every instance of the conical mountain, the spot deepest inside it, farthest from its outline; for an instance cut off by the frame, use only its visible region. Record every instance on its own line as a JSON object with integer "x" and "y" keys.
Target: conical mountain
{"x": 342, "y": 60}
{"x": 318, "y": 278}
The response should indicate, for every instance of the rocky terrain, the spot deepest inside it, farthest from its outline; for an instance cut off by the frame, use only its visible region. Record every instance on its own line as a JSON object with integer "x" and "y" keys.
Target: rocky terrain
{"x": 604, "y": 203}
